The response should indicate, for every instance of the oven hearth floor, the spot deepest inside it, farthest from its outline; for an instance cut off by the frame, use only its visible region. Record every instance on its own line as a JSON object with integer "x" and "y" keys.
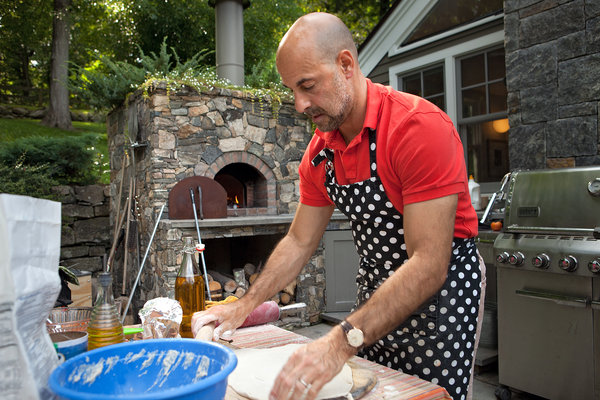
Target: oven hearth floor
{"x": 486, "y": 381}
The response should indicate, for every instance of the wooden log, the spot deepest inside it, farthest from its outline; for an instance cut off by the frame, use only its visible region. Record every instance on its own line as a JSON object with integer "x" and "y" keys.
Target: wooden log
{"x": 276, "y": 298}
{"x": 252, "y": 278}
{"x": 214, "y": 286}
{"x": 239, "y": 292}
{"x": 226, "y": 282}
{"x": 249, "y": 269}
{"x": 290, "y": 288}
{"x": 216, "y": 296}
{"x": 285, "y": 298}
{"x": 216, "y": 291}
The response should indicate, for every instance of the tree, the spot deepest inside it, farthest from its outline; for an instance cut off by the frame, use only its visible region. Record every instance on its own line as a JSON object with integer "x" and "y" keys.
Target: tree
{"x": 360, "y": 16}
{"x": 58, "y": 114}
{"x": 25, "y": 29}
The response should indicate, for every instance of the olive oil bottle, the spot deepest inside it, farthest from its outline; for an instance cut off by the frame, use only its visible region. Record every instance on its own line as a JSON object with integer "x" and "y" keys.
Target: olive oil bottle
{"x": 105, "y": 327}
{"x": 189, "y": 288}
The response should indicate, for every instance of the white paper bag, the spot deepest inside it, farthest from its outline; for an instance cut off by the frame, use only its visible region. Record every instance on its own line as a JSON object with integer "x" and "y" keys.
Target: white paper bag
{"x": 29, "y": 286}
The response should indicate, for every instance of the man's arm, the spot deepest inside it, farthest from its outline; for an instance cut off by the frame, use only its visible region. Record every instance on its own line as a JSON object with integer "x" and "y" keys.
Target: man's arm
{"x": 291, "y": 253}
{"x": 284, "y": 264}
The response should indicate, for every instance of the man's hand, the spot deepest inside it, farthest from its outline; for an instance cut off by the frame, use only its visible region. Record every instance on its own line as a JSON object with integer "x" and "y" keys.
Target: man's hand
{"x": 226, "y": 316}
{"x": 311, "y": 367}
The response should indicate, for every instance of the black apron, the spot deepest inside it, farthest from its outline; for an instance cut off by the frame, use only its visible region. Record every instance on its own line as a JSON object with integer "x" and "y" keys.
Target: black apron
{"x": 437, "y": 341}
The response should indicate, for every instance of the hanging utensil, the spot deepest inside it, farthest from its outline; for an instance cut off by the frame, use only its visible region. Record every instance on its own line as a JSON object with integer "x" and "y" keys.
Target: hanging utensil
{"x": 199, "y": 238}
{"x": 137, "y": 279}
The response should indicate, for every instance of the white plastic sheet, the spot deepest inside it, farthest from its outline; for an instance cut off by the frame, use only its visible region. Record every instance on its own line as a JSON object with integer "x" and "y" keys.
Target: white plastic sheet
{"x": 29, "y": 286}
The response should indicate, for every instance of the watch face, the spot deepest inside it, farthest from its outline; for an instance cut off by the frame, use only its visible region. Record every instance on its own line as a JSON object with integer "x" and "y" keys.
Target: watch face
{"x": 355, "y": 337}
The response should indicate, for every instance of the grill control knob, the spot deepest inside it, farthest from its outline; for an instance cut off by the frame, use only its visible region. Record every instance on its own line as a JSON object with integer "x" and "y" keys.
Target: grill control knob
{"x": 569, "y": 263}
{"x": 502, "y": 258}
{"x": 541, "y": 261}
{"x": 516, "y": 259}
{"x": 594, "y": 266}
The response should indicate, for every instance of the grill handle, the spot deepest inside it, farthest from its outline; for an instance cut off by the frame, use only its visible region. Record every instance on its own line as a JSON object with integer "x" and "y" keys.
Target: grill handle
{"x": 596, "y": 305}
{"x": 497, "y": 196}
{"x": 580, "y": 302}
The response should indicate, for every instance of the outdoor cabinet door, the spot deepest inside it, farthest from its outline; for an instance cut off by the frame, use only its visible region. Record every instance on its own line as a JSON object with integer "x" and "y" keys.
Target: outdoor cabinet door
{"x": 341, "y": 266}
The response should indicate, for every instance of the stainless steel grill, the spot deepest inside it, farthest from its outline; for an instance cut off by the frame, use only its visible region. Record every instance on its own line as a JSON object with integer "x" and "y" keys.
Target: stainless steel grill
{"x": 548, "y": 265}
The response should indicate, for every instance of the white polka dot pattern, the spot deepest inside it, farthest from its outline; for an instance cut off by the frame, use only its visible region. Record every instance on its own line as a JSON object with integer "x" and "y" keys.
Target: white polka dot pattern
{"x": 439, "y": 335}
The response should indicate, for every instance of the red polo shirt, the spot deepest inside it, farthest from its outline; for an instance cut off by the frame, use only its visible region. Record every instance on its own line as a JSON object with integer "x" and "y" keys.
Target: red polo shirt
{"x": 419, "y": 156}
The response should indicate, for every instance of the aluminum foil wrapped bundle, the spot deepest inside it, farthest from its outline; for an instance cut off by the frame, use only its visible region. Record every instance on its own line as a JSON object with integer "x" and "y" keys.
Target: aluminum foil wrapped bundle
{"x": 161, "y": 318}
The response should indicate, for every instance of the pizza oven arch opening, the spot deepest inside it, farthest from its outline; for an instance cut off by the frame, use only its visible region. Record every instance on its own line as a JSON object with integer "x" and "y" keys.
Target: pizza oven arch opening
{"x": 244, "y": 184}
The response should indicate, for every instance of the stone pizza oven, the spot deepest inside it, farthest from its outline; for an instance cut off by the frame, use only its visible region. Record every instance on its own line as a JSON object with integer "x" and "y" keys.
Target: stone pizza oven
{"x": 251, "y": 147}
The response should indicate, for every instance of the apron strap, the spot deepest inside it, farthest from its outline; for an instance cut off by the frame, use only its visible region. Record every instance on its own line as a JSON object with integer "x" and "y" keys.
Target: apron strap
{"x": 322, "y": 156}
{"x": 373, "y": 152}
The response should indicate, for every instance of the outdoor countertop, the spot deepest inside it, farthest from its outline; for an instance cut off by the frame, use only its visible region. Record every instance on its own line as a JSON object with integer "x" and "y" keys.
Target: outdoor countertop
{"x": 391, "y": 384}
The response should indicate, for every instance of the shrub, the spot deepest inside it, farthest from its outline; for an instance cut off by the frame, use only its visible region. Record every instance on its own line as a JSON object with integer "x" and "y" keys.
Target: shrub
{"x": 108, "y": 82}
{"x": 25, "y": 180}
{"x": 37, "y": 163}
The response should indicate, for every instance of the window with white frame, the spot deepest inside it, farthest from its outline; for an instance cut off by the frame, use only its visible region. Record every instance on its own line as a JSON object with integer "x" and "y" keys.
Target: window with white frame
{"x": 427, "y": 83}
{"x": 482, "y": 116}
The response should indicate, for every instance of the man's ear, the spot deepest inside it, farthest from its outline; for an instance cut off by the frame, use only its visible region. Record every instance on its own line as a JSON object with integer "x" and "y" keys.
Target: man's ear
{"x": 346, "y": 62}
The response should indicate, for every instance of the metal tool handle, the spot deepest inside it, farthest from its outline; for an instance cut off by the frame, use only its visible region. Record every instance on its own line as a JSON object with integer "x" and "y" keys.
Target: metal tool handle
{"x": 497, "y": 196}
{"x": 579, "y": 302}
{"x": 137, "y": 279}
{"x": 200, "y": 241}
{"x": 200, "y": 210}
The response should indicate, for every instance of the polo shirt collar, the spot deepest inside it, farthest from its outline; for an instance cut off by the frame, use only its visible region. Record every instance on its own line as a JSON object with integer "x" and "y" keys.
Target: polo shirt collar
{"x": 335, "y": 141}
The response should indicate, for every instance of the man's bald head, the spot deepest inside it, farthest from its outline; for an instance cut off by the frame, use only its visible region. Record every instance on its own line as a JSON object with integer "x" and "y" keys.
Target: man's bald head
{"x": 321, "y": 34}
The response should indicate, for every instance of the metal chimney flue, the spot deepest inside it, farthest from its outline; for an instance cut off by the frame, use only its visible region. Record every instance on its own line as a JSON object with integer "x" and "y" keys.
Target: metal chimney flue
{"x": 229, "y": 22}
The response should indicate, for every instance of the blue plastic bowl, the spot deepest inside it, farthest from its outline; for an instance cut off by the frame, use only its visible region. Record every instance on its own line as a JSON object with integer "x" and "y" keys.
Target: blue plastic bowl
{"x": 147, "y": 369}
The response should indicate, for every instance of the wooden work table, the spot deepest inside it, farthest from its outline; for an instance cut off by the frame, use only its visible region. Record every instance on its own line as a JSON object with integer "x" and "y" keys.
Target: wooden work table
{"x": 391, "y": 384}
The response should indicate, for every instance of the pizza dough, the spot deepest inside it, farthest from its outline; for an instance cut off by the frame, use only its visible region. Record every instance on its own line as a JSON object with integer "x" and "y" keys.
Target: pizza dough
{"x": 257, "y": 369}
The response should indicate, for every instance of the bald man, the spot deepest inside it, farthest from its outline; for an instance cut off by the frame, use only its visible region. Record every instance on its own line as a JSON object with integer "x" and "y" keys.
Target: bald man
{"x": 393, "y": 163}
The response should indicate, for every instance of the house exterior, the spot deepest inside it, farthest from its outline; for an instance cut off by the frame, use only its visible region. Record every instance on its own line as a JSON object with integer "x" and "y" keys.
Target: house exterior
{"x": 519, "y": 78}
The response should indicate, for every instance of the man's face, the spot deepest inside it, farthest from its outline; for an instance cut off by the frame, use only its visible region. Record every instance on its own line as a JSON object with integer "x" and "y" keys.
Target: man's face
{"x": 320, "y": 90}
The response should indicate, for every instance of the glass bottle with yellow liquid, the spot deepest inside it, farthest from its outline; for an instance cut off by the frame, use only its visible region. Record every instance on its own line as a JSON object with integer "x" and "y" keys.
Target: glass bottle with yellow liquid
{"x": 105, "y": 327}
{"x": 189, "y": 288}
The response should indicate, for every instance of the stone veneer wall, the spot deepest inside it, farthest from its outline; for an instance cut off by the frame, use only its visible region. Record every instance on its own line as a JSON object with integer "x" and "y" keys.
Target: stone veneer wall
{"x": 553, "y": 79}
{"x": 186, "y": 133}
{"x": 86, "y": 232}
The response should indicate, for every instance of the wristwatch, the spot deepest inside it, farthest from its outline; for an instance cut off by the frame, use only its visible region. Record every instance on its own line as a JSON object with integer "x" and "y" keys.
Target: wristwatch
{"x": 354, "y": 336}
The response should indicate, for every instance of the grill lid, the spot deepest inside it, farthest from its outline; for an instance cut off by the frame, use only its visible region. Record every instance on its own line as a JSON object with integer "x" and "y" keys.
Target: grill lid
{"x": 554, "y": 201}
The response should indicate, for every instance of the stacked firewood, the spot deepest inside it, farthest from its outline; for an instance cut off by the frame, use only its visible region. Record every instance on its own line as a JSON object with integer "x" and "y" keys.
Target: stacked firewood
{"x": 223, "y": 285}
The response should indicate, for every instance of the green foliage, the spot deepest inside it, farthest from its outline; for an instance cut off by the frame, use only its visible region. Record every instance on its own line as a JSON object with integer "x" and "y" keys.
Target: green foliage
{"x": 65, "y": 160}
{"x": 13, "y": 129}
{"x": 187, "y": 25}
{"x": 25, "y": 29}
{"x": 109, "y": 86}
{"x": 263, "y": 74}
{"x": 26, "y": 180}
{"x": 360, "y": 16}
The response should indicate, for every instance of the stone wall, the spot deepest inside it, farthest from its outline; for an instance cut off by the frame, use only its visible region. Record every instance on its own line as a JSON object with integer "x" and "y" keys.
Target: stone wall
{"x": 553, "y": 79}
{"x": 86, "y": 231}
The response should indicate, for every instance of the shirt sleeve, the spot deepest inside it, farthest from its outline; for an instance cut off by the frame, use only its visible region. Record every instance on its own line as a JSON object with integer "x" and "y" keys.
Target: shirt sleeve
{"x": 429, "y": 158}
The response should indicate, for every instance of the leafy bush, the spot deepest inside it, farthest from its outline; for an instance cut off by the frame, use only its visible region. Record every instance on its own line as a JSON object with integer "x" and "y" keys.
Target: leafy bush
{"x": 34, "y": 181}
{"x": 34, "y": 164}
{"x": 108, "y": 83}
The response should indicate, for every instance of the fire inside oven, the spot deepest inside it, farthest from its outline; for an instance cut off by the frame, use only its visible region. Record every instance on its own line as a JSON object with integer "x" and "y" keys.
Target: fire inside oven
{"x": 548, "y": 265}
{"x": 244, "y": 184}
